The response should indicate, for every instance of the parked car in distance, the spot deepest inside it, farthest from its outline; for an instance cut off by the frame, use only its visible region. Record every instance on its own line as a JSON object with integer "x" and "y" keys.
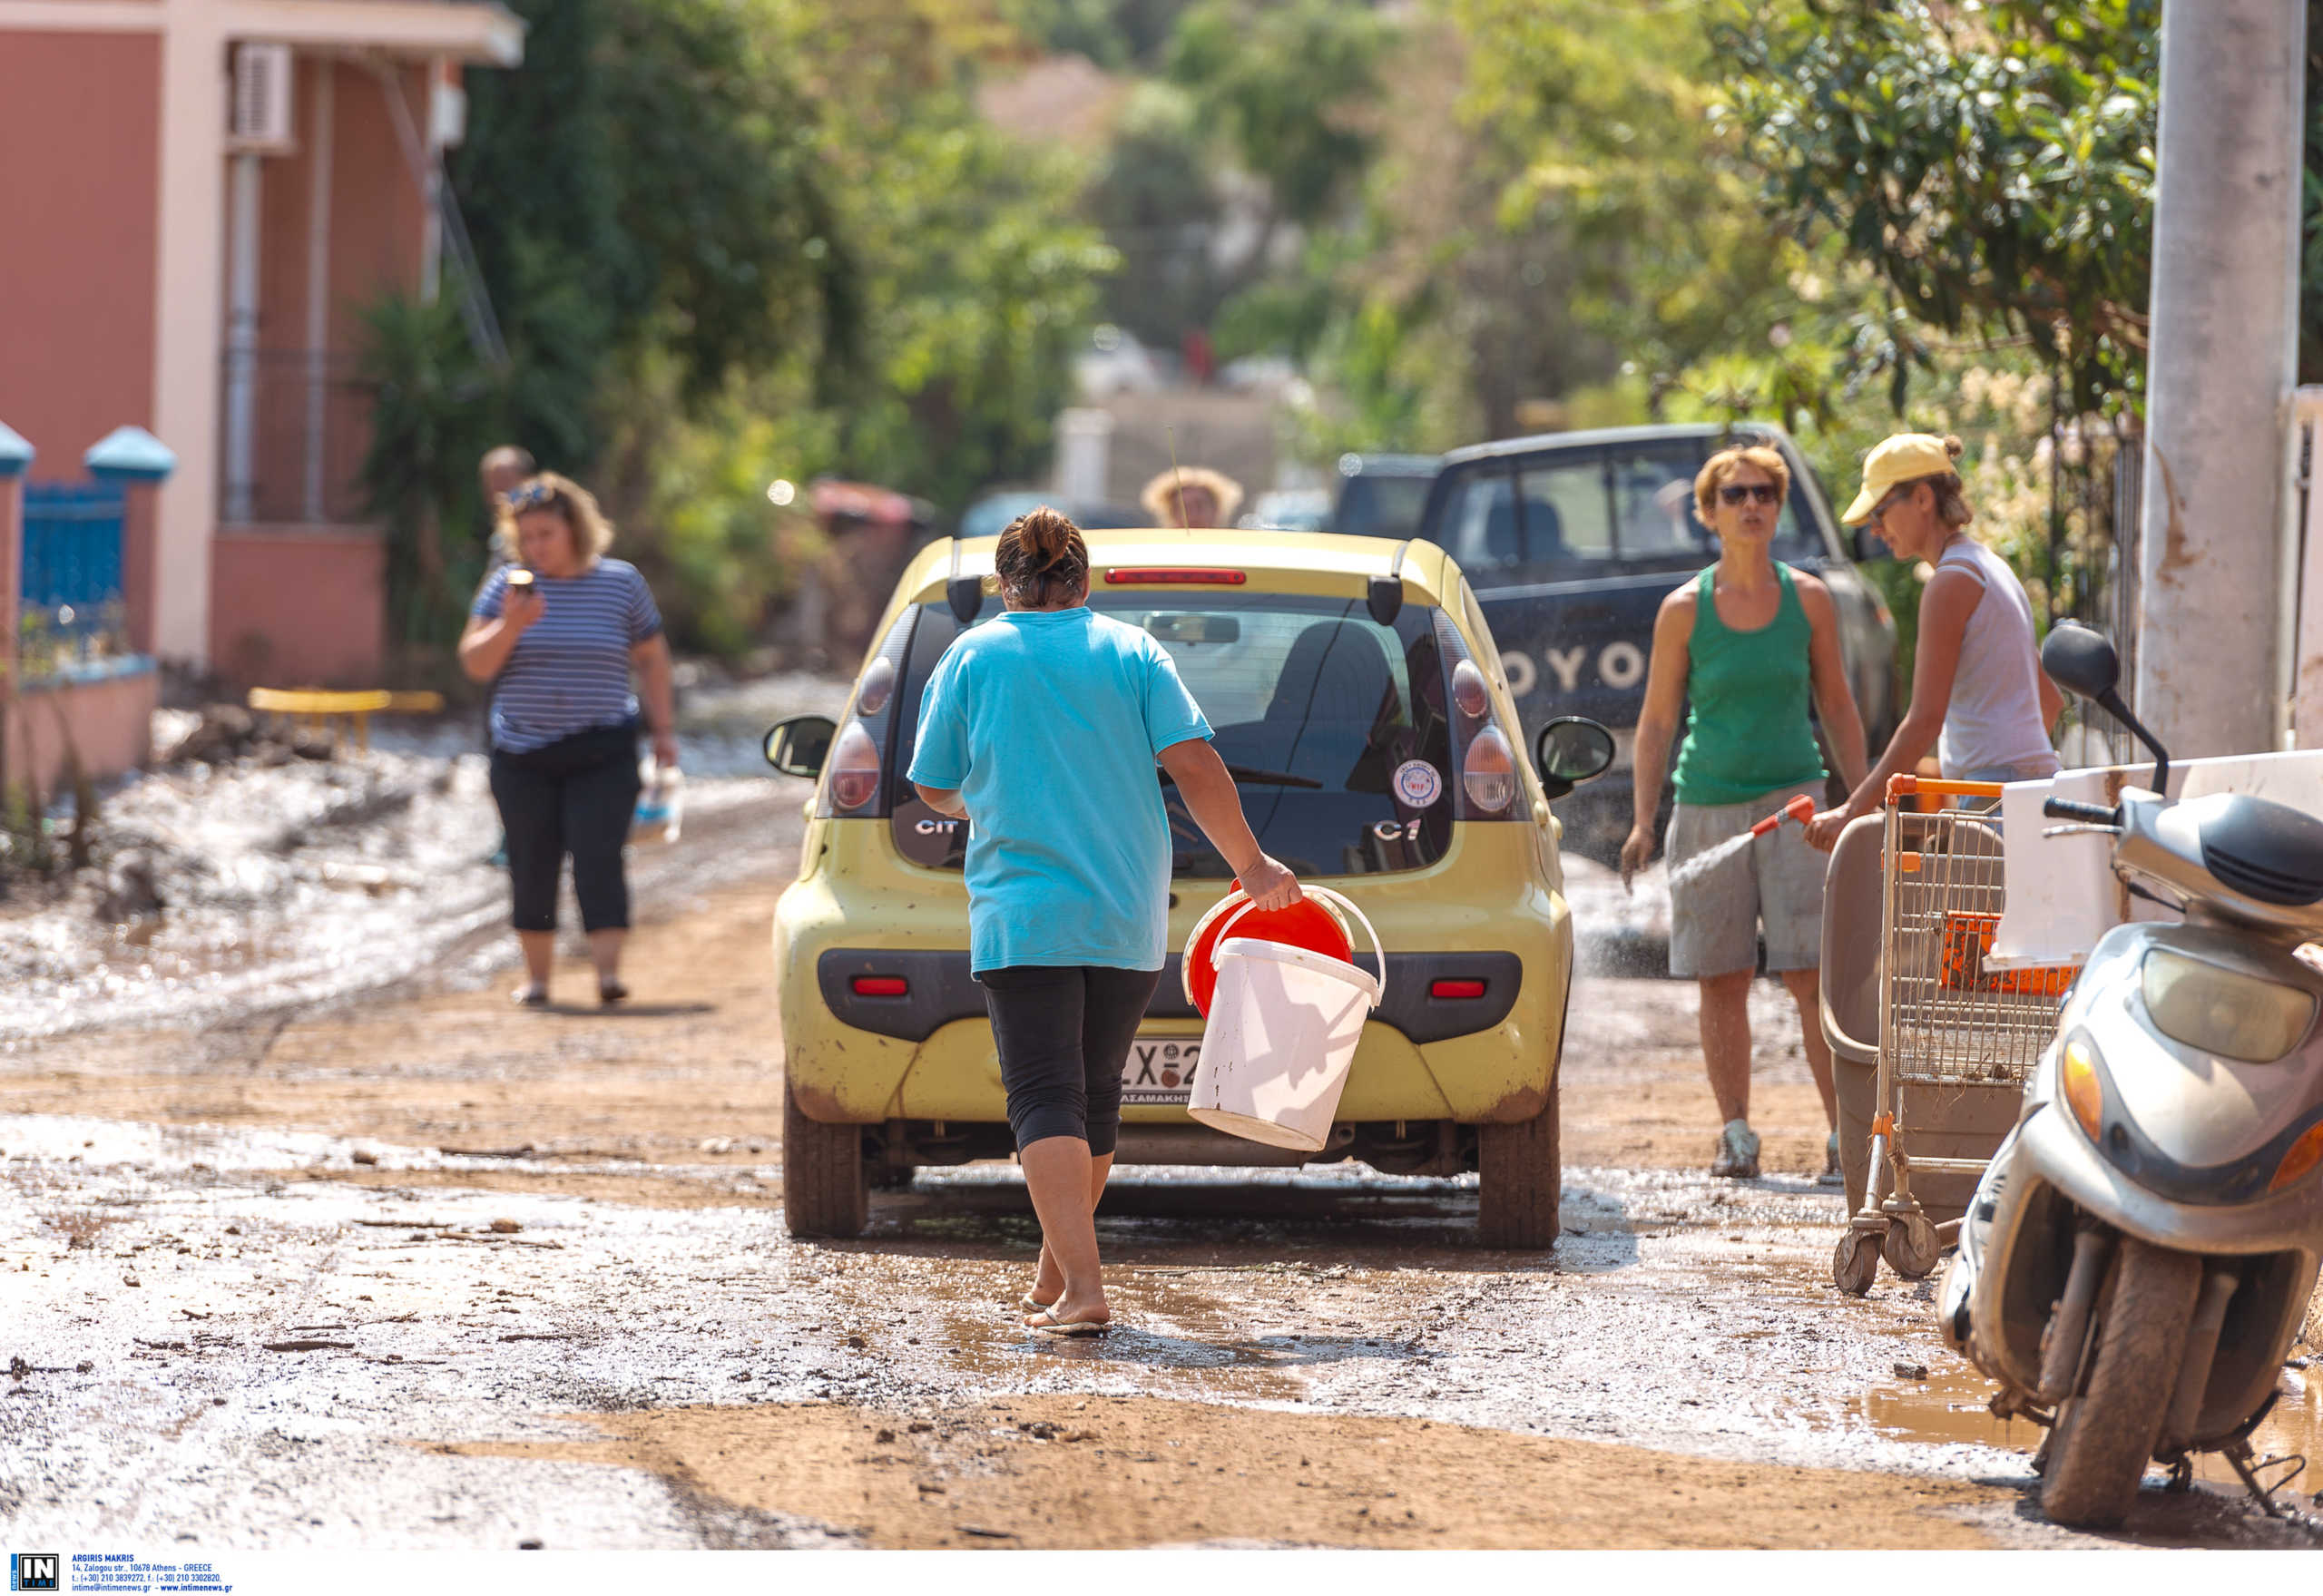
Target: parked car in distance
{"x": 1382, "y": 495}
{"x": 1296, "y": 509}
{"x": 1355, "y": 696}
{"x": 989, "y": 517}
{"x": 1572, "y": 540}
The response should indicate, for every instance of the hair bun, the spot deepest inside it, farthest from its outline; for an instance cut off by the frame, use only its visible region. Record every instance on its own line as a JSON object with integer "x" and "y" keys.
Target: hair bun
{"x": 1952, "y": 446}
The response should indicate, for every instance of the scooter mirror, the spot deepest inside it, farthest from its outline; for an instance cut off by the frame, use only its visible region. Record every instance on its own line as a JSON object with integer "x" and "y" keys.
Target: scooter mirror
{"x": 2080, "y": 661}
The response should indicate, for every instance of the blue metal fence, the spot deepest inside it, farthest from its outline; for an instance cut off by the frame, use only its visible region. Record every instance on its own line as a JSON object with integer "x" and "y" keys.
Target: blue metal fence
{"x": 71, "y": 610}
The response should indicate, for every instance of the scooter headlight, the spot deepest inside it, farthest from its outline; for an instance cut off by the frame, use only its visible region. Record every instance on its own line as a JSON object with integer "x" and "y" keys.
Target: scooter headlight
{"x": 2221, "y": 1010}
{"x": 2084, "y": 1093}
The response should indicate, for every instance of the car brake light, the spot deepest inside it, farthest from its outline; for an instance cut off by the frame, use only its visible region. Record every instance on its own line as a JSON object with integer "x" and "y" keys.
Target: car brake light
{"x": 881, "y": 987}
{"x": 1140, "y": 575}
{"x": 1456, "y": 989}
{"x": 855, "y": 767}
{"x": 1488, "y": 771}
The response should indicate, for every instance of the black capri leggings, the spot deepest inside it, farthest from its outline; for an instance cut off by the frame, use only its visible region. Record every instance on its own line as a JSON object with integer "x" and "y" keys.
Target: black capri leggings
{"x": 1064, "y": 1033}
{"x": 576, "y": 797}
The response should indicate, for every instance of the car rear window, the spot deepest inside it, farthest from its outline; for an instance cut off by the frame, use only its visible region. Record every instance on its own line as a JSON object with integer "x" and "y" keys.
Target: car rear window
{"x": 1584, "y": 512}
{"x": 1310, "y": 690}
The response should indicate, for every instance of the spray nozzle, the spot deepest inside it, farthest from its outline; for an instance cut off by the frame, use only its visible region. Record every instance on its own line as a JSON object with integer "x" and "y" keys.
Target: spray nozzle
{"x": 1800, "y": 809}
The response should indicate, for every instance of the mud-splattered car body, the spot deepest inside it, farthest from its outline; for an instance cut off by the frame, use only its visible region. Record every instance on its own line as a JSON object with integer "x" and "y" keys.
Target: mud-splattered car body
{"x": 1405, "y": 793}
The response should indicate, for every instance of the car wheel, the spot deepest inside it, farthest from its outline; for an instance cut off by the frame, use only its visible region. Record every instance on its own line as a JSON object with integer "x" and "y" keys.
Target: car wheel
{"x": 1522, "y": 1179}
{"x": 826, "y": 1185}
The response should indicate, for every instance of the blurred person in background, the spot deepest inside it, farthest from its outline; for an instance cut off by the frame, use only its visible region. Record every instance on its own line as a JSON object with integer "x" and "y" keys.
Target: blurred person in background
{"x": 1193, "y": 496}
{"x": 557, "y": 631}
{"x": 1979, "y": 696}
{"x": 1751, "y": 645}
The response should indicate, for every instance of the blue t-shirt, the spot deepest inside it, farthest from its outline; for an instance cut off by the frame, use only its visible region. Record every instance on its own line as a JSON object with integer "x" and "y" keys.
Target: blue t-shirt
{"x": 1048, "y": 722}
{"x": 570, "y": 671}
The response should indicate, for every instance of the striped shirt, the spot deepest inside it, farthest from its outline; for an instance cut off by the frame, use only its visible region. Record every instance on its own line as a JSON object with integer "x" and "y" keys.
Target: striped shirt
{"x": 570, "y": 671}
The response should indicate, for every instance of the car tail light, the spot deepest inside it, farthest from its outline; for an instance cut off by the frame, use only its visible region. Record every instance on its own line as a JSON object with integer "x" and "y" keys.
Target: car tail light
{"x": 1469, "y": 694}
{"x": 855, "y": 767}
{"x": 878, "y": 686}
{"x": 881, "y": 987}
{"x": 1488, "y": 771}
{"x": 1456, "y": 990}
{"x": 1138, "y": 575}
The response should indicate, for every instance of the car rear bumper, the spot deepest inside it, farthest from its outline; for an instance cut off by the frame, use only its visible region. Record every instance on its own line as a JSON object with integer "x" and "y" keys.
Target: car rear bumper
{"x": 939, "y": 990}
{"x": 928, "y": 1053}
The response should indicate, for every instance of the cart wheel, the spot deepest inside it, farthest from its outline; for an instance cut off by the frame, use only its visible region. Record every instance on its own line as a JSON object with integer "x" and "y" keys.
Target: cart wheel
{"x": 1912, "y": 1246}
{"x": 1855, "y": 1262}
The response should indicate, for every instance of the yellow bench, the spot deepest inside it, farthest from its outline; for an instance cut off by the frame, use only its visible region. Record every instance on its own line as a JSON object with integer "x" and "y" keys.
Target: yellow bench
{"x": 321, "y": 710}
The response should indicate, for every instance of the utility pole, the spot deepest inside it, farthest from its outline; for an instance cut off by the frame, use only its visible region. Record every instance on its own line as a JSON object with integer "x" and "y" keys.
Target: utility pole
{"x": 2218, "y": 375}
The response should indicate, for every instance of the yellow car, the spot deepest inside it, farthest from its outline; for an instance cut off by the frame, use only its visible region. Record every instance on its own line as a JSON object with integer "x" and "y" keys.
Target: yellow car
{"x": 1358, "y": 699}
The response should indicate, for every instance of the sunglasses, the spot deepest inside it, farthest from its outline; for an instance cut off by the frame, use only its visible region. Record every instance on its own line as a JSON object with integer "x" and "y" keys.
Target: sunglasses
{"x": 1764, "y": 493}
{"x": 1885, "y": 504}
{"x": 529, "y": 495}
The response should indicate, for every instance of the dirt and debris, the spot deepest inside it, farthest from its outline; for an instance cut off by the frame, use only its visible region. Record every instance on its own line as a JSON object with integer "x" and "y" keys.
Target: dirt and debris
{"x": 419, "y": 1268}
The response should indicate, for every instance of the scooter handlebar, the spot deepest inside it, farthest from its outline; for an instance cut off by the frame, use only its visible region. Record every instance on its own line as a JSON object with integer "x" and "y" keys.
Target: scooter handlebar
{"x": 2058, "y": 808}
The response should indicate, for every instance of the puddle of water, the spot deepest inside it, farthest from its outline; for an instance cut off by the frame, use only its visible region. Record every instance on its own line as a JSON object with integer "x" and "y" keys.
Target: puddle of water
{"x": 1949, "y": 1408}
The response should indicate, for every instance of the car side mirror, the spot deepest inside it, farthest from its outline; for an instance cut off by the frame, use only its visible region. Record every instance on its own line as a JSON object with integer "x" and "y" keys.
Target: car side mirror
{"x": 1383, "y": 596}
{"x": 966, "y": 595}
{"x": 1866, "y": 544}
{"x": 2080, "y": 661}
{"x": 1569, "y": 750}
{"x": 798, "y": 746}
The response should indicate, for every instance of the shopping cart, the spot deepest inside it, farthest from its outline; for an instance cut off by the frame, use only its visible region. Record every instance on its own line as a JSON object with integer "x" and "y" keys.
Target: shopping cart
{"x": 1954, "y": 1039}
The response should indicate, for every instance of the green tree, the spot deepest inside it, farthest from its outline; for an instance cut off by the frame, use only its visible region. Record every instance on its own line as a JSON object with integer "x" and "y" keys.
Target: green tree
{"x": 1992, "y": 165}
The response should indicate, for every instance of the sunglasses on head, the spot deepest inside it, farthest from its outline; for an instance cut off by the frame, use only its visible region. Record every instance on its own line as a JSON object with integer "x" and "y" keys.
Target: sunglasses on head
{"x": 529, "y": 496}
{"x": 1765, "y": 493}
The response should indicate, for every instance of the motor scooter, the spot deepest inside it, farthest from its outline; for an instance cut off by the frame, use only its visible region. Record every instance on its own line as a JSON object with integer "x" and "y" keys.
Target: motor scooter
{"x": 2138, "y": 1258}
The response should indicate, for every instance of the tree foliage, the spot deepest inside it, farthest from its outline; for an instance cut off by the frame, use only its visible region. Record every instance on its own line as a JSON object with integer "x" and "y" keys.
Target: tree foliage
{"x": 1993, "y": 163}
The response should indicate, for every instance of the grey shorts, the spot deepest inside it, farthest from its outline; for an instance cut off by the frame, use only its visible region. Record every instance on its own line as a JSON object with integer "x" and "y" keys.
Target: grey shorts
{"x": 1716, "y": 910}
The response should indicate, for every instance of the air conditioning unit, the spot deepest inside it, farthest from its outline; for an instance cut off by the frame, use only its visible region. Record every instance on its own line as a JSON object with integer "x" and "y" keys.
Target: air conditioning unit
{"x": 261, "y": 112}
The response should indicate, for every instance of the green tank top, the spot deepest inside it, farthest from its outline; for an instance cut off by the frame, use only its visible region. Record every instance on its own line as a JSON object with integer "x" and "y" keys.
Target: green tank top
{"x": 1747, "y": 731}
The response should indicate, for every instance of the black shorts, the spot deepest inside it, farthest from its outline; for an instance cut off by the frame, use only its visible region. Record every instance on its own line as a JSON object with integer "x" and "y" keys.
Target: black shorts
{"x": 1064, "y": 1033}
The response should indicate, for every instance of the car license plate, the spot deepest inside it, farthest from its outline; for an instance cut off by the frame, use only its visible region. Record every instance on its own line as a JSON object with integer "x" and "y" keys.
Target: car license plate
{"x": 1161, "y": 1068}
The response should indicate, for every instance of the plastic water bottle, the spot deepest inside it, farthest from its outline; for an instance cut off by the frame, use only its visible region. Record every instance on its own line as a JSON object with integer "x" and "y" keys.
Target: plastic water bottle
{"x": 661, "y": 803}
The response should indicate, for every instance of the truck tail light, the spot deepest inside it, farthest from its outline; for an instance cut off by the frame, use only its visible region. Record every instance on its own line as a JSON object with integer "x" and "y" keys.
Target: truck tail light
{"x": 1456, "y": 990}
{"x": 880, "y": 986}
{"x": 855, "y": 767}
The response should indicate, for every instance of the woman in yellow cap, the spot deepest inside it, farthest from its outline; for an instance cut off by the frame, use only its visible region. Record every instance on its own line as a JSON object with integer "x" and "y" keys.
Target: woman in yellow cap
{"x": 1979, "y": 695}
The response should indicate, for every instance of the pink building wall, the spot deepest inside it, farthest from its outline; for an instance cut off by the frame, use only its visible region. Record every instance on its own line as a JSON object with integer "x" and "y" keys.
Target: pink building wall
{"x": 109, "y": 722}
{"x": 298, "y": 607}
{"x": 80, "y": 119}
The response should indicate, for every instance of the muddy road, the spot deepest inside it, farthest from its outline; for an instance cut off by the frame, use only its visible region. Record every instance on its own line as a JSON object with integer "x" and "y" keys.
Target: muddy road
{"x": 330, "y": 1246}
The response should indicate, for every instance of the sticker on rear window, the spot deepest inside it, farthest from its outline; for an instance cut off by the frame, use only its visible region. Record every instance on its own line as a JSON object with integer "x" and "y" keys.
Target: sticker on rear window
{"x": 1417, "y": 783}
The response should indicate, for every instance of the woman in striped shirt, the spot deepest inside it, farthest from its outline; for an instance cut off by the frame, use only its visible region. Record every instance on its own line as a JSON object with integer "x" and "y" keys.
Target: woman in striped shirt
{"x": 557, "y": 631}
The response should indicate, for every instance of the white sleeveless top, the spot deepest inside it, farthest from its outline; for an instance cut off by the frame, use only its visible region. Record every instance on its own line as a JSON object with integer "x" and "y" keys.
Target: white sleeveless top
{"x": 1994, "y": 718}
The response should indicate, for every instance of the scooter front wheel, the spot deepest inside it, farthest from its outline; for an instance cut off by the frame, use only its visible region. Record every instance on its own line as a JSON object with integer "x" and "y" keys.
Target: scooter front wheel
{"x": 2105, "y": 1434}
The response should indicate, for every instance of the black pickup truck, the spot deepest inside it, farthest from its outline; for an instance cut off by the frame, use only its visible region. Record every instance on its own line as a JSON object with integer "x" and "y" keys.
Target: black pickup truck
{"x": 1571, "y": 540}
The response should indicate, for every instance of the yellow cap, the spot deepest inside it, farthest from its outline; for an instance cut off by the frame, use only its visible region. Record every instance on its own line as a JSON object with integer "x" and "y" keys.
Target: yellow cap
{"x": 1905, "y": 457}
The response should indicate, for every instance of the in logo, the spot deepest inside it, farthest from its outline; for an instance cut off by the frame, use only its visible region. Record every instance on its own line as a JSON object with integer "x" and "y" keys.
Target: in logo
{"x": 35, "y": 1571}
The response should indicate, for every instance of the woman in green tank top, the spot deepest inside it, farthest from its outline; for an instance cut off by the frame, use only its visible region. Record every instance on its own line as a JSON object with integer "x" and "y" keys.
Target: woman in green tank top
{"x": 1749, "y": 645}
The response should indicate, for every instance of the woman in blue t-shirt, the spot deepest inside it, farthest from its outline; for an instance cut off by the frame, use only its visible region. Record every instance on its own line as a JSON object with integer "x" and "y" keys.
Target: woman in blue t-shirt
{"x": 1043, "y": 728}
{"x": 557, "y": 631}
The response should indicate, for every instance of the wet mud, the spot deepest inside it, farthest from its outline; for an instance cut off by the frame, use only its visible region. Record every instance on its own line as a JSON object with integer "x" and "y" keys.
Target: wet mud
{"x": 1114, "y": 1472}
{"x": 415, "y": 1268}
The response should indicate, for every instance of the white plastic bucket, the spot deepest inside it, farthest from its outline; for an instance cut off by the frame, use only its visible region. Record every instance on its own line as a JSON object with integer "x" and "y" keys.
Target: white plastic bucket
{"x": 1282, "y": 1032}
